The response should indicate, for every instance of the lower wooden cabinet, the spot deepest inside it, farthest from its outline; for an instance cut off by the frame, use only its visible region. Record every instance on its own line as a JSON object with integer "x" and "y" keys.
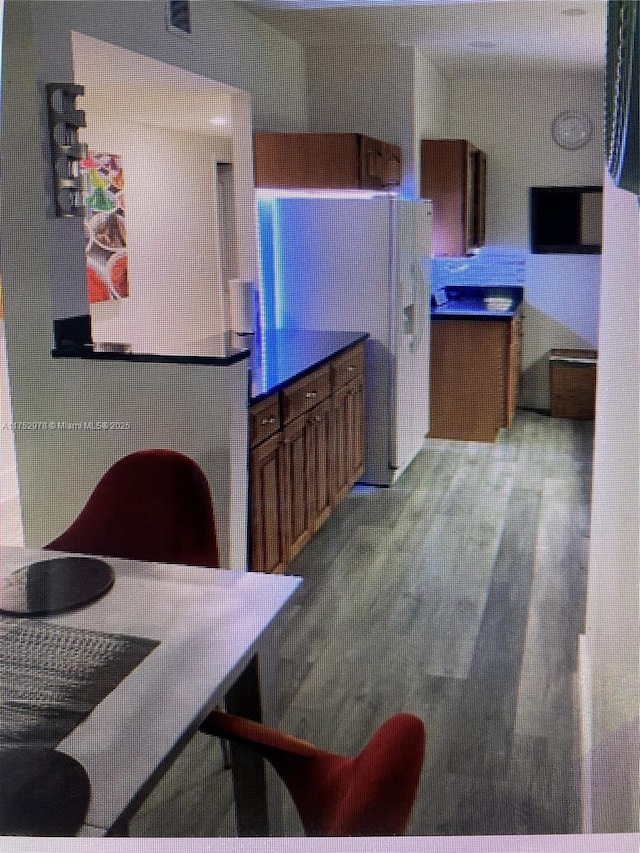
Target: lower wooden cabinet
{"x": 348, "y": 464}
{"x": 307, "y": 461}
{"x": 269, "y": 519}
{"x": 304, "y": 469}
{"x": 320, "y": 450}
{"x": 474, "y": 376}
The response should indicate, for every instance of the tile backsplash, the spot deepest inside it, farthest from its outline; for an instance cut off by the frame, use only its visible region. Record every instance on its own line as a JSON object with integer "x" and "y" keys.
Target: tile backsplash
{"x": 489, "y": 267}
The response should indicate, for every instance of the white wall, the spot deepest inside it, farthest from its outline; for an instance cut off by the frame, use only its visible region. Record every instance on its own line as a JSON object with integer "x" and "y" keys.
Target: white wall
{"x": 176, "y": 291}
{"x": 612, "y": 648}
{"x": 227, "y": 44}
{"x": 508, "y": 115}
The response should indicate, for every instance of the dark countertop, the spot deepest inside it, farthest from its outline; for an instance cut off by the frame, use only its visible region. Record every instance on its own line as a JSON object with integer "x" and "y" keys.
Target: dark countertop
{"x": 278, "y": 357}
{"x": 220, "y": 350}
{"x": 468, "y": 301}
{"x": 275, "y": 358}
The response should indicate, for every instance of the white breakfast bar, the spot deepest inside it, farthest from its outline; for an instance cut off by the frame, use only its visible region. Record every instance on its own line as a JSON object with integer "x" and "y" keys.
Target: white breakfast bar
{"x": 210, "y": 626}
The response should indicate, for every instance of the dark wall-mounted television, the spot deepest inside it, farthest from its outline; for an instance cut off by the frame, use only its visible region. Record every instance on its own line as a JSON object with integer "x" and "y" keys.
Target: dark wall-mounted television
{"x": 566, "y": 220}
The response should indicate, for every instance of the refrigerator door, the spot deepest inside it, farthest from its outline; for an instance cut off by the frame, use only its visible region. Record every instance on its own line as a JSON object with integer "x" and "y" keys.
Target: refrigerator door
{"x": 333, "y": 263}
{"x": 409, "y": 409}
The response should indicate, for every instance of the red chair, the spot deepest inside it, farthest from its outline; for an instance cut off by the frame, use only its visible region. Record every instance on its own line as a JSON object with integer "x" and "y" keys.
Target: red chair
{"x": 371, "y": 794}
{"x": 152, "y": 505}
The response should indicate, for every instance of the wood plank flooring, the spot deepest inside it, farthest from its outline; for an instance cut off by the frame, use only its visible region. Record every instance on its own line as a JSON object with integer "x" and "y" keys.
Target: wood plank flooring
{"x": 457, "y": 594}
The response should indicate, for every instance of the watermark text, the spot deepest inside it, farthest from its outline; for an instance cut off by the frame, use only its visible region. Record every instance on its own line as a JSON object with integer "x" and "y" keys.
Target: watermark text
{"x": 16, "y": 426}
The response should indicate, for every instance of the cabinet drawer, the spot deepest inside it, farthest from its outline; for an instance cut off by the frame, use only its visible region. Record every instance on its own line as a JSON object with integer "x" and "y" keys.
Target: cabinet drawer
{"x": 347, "y": 366}
{"x": 264, "y": 419}
{"x": 307, "y": 392}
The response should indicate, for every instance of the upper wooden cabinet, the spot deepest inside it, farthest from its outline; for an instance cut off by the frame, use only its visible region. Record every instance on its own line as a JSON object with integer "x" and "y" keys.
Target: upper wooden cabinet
{"x": 453, "y": 175}
{"x": 325, "y": 161}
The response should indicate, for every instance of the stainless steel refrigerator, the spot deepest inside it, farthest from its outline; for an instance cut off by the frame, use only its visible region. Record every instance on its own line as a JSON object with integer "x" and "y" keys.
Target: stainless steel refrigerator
{"x": 359, "y": 264}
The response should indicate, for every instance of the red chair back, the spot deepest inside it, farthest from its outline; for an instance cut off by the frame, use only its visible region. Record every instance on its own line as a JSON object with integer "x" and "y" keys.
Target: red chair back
{"x": 152, "y": 505}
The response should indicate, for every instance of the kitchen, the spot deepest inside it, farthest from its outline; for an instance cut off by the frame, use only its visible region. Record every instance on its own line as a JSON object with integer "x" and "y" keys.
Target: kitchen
{"x": 281, "y": 104}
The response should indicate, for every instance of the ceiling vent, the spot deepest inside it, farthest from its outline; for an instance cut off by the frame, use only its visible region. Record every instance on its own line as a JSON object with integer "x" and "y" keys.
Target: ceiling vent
{"x": 179, "y": 16}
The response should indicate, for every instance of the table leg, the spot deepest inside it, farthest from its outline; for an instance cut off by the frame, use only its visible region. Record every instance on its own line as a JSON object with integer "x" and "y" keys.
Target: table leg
{"x": 248, "y": 770}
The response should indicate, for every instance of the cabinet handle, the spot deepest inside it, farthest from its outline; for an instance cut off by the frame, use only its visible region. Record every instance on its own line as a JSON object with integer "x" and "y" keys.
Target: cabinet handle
{"x": 266, "y": 421}
{"x": 351, "y": 368}
{"x": 311, "y": 394}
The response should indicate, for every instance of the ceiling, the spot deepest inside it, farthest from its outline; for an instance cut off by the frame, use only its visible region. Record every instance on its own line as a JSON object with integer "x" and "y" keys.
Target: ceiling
{"x": 458, "y": 34}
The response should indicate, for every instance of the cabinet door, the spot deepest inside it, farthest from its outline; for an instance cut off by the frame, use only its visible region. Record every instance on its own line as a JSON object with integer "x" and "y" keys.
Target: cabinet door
{"x": 453, "y": 176}
{"x": 306, "y": 160}
{"x": 468, "y": 202}
{"x": 479, "y": 199}
{"x": 269, "y": 523}
{"x": 340, "y": 472}
{"x": 319, "y": 441}
{"x": 372, "y": 163}
{"x": 298, "y": 491}
{"x": 348, "y": 463}
{"x": 443, "y": 180}
{"x": 468, "y": 393}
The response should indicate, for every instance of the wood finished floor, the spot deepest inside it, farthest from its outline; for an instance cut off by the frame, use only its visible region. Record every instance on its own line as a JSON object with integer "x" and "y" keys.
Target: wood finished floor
{"x": 457, "y": 594}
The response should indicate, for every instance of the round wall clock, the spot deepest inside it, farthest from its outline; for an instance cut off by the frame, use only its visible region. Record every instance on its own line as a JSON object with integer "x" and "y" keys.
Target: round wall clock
{"x": 571, "y": 129}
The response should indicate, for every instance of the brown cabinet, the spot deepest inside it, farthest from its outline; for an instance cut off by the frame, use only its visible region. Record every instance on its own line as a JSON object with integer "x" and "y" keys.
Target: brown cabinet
{"x": 305, "y": 467}
{"x": 320, "y": 450}
{"x": 349, "y": 445}
{"x": 325, "y": 161}
{"x": 453, "y": 174}
{"x": 475, "y": 371}
{"x": 297, "y": 494}
{"x": 269, "y": 519}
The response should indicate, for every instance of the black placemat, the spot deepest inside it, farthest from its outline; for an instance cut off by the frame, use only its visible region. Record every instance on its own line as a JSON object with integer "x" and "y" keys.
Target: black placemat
{"x": 51, "y": 676}
{"x": 55, "y": 585}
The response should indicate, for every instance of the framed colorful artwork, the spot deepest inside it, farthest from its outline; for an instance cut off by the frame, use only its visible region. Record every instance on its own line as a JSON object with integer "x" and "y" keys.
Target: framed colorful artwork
{"x": 104, "y": 227}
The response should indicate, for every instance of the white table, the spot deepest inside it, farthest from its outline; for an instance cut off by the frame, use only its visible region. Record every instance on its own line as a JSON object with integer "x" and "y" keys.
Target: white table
{"x": 210, "y": 625}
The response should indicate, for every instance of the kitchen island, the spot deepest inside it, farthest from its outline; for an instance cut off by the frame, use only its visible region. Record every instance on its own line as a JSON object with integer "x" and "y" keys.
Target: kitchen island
{"x": 476, "y": 354}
